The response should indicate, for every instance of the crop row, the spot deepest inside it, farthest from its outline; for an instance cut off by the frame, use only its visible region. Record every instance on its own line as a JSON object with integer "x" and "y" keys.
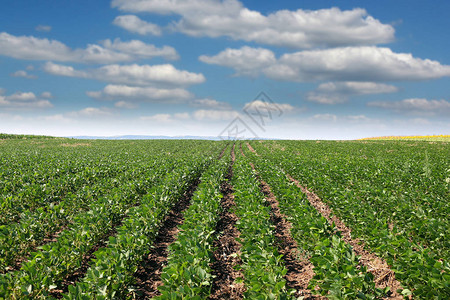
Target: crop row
{"x": 391, "y": 197}
{"x": 48, "y": 267}
{"x": 17, "y": 239}
{"x": 338, "y": 273}
{"x": 188, "y": 273}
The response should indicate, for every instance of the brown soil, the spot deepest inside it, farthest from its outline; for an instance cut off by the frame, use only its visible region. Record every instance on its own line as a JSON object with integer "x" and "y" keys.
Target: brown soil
{"x": 76, "y": 145}
{"x": 78, "y": 274}
{"x": 383, "y": 275}
{"x": 17, "y": 264}
{"x": 148, "y": 275}
{"x": 300, "y": 270}
{"x": 223, "y": 151}
{"x": 227, "y": 253}
{"x": 242, "y": 151}
{"x": 251, "y": 148}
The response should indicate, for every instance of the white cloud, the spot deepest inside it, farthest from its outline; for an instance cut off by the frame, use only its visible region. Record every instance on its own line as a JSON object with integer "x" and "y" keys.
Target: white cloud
{"x": 182, "y": 116}
{"x": 266, "y": 106}
{"x": 120, "y": 104}
{"x": 210, "y": 104}
{"x": 43, "y": 28}
{"x": 134, "y": 24}
{"x": 158, "y": 118}
{"x": 245, "y": 61}
{"x": 90, "y": 112}
{"x": 61, "y": 70}
{"x": 148, "y": 94}
{"x": 417, "y": 106}
{"x": 324, "y": 117}
{"x": 47, "y": 95}
{"x": 339, "y": 92}
{"x": 142, "y": 75}
{"x": 358, "y": 119}
{"x": 167, "y": 118}
{"x": 23, "y": 74}
{"x": 354, "y": 64}
{"x": 296, "y": 29}
{"x": 23, "y": 100}
{"x": 33, "y": 48}
{"x": 215, "y": 115}
{"x": 140, "y": 49}
{"x": 367, "y": 64}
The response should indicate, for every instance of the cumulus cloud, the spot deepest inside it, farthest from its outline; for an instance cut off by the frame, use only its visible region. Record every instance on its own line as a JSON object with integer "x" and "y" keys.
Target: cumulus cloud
{"x": 147, "y": 94}
{"x": 164, "y": 118}
{"x": 367, "y": 64}
{"x": 136, "y": 25}
{"x": 47, "y": 95}
{"x": 339, "y": 92}
{"x": 324, "y": 117}
{"x": 43, "y": 28}
{"x": 266, "y": 106}
{"x": 119, "y": 104}
{"x": 23, "y": 100}
{"x": 141, "y": 75}
{"x": 245, "y": 61}
{"x": 140, "y": 49}
{"x": 418, "y": 106}
{"x": 210, "y": 104}
{"x": 23, "y": 74}
{"x": 90, "y": 112}
{"x": 215, "y": 115}
{"x": 33, "y": 48}
{"x": 296, "y": 29}
{"x": 354, "y": 64}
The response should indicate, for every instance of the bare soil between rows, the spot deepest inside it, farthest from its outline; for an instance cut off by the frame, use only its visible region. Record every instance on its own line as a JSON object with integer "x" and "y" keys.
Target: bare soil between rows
{"x": 148, "y": 275}
{"x": 78, "y": 274}
{"x": 227, "y": 253}
{"x": 299, "y": 270}
{"x": 383, "y": 275}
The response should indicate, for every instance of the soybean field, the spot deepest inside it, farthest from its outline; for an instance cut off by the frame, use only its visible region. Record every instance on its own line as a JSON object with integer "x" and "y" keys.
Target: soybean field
{"x": 197, "y": 219}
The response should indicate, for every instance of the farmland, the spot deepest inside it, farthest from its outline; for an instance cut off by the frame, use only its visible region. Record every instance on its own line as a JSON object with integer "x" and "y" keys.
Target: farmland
{"x": 189, "y": 219}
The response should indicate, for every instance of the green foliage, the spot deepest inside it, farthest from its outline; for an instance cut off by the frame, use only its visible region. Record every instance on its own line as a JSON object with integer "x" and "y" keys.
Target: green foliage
{"x": 392, "y": 194}
{"x": 132, "y": 185}
{"x": 262, "y": 266}
{"x": 188, "y": 274}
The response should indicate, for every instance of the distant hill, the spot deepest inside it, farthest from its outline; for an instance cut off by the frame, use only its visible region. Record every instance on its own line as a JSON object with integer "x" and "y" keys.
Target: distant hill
{"x": 149, "y": 137}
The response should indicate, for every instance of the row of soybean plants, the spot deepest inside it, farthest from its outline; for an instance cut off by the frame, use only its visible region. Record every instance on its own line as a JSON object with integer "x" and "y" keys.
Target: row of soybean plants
{"x": 36, "y": 174}
{"x": 393, "y": 195}
{"x": 105, "y": 174}
{"x": 188, "y": 273}
{"x": 111, "y": 275}
{"x": 338, "y": 273}
{"x": 46, "y": 269}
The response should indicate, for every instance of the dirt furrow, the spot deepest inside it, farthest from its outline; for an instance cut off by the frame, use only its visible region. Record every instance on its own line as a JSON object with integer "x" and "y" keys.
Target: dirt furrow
{"x": 78, "y": 274}
{"x": 223, "y": 151}
{"x": 251, "y": 149}
{"x": 300, "y": 270}
{"x": 242, "y": 151}
{"x": 383, "y": 275}
{"x": 227, "y": 253}
{"x": 148, "y": 274}
{"x": 17, "y": 264}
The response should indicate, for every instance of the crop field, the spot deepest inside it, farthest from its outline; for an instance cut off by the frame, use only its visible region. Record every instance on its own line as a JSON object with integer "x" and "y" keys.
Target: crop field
{"x": 191, "y": 219}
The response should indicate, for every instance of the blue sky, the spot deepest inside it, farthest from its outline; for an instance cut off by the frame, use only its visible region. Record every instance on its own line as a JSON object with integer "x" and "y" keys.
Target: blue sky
{"x": 330, "y": 69}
